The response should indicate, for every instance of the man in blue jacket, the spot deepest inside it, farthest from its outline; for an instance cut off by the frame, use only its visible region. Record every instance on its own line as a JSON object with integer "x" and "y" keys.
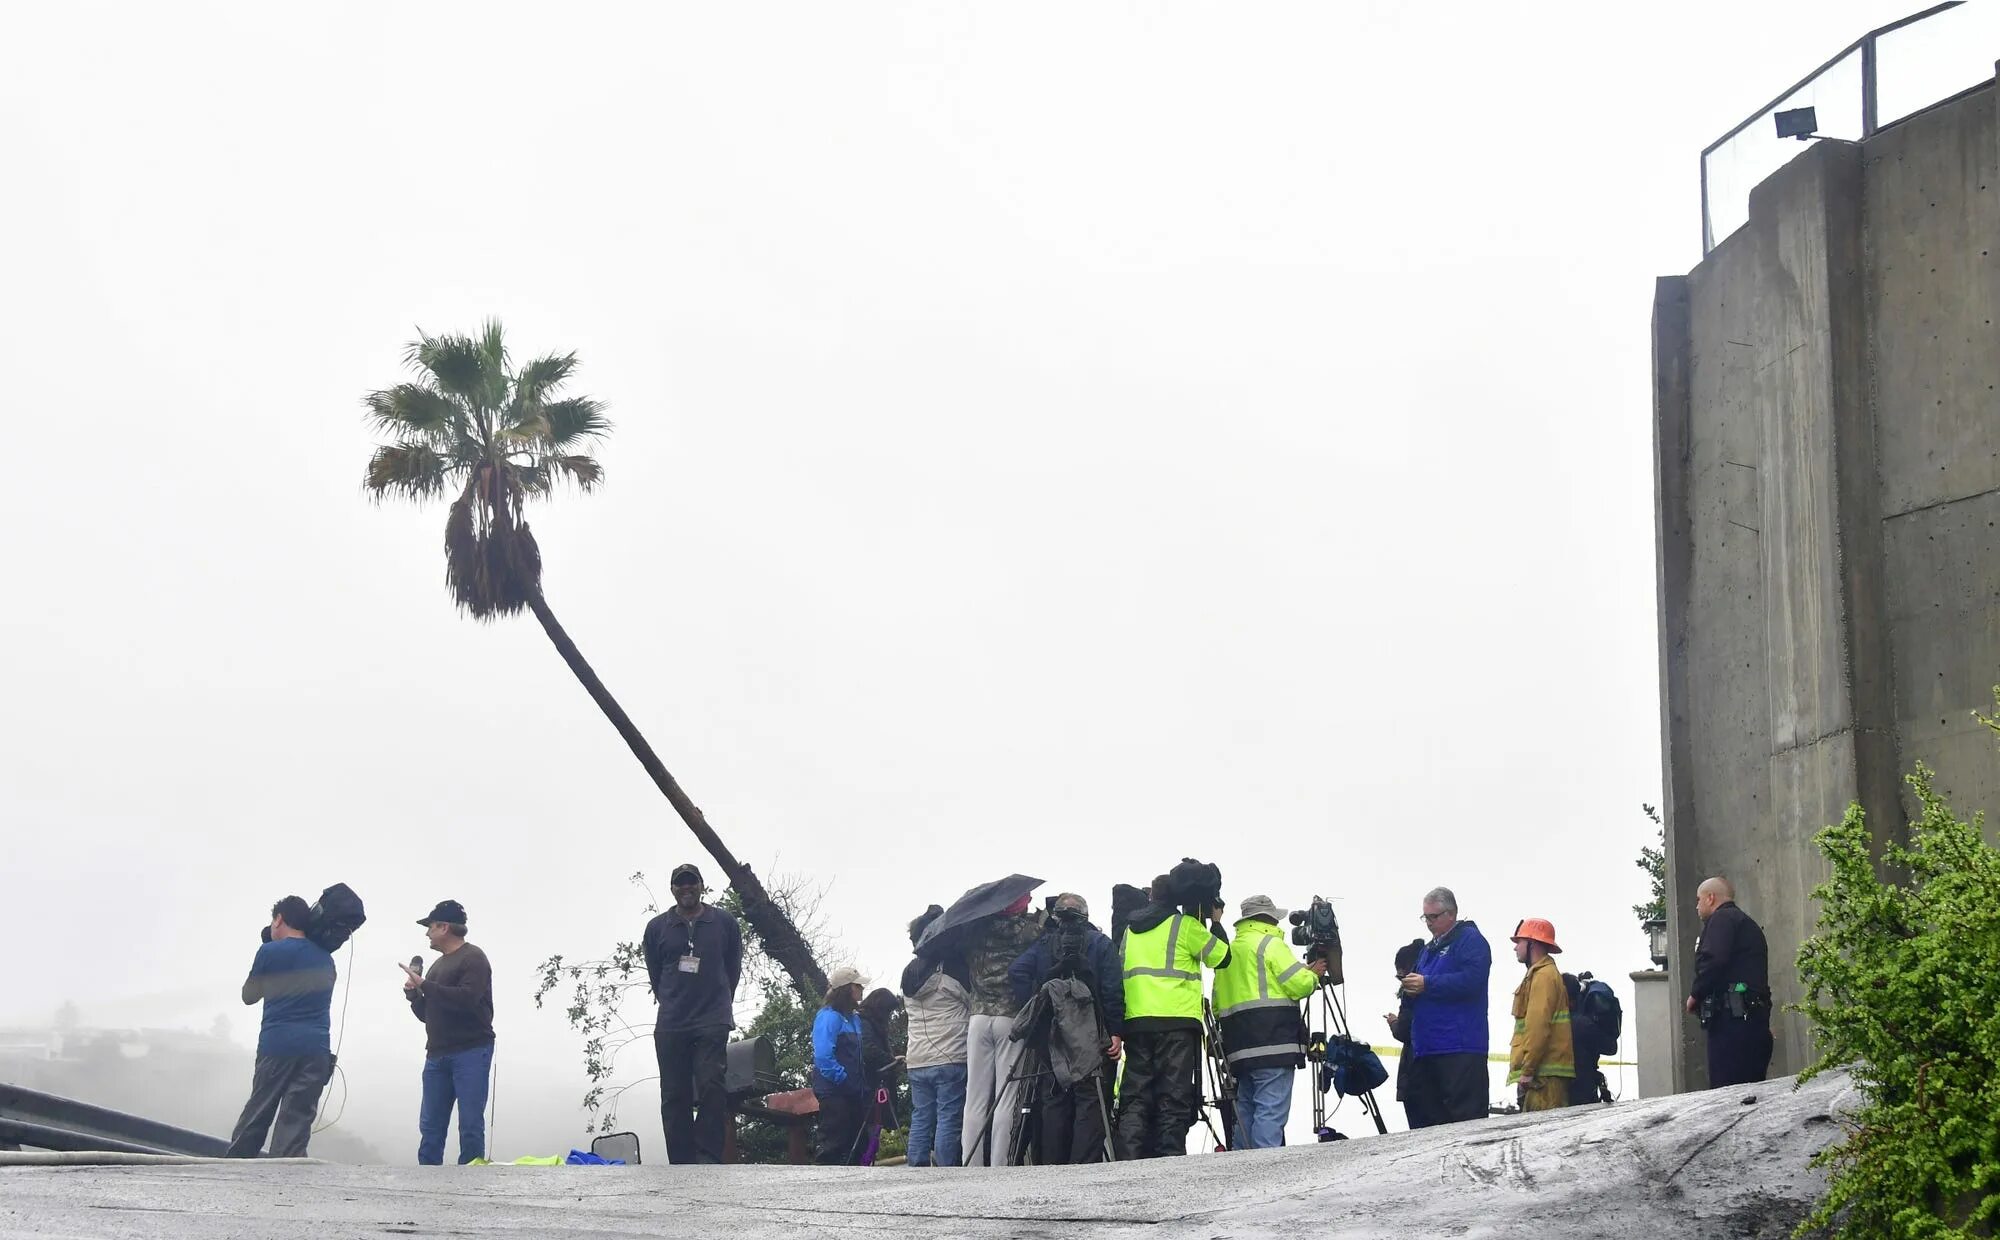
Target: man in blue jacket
{"x": 1448, "y": 1034}
{"x": 694, "y": 959}
{"x": 292, "y": 976}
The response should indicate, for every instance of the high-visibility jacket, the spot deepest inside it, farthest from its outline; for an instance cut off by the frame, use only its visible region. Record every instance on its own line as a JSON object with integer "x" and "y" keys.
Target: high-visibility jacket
{"x": 1164, "y": 954}
{"x": 1541, "y": 1046}
{"x": 1257, "y": 999}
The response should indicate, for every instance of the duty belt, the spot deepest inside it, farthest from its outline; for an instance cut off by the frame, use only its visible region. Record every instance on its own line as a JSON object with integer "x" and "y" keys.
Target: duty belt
{"x": 1737, "y": 1001}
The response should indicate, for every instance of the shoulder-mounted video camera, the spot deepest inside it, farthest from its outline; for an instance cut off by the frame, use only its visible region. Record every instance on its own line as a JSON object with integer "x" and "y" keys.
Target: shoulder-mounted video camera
{"x": 1316, "y": 929}
{"x": 1197, "y": 886}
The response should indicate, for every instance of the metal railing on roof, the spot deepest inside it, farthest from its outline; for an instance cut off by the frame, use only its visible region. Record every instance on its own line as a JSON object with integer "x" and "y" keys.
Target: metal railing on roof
{"x": 1882, "y": 77}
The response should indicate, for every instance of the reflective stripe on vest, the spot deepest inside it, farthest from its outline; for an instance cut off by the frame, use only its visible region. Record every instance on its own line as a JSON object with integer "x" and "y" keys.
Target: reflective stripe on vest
{"x": 1258, "y": 1052}
{"x": 1560, "y": 1018}
{"x": 1162, "y": 989}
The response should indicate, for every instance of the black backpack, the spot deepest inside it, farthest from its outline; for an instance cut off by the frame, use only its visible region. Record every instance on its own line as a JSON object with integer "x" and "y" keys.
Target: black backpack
{"x": 335, "y": 918}
{"x": 1595, "y": 1017}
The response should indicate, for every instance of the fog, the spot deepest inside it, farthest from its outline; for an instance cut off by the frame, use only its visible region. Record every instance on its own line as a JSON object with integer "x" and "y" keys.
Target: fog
{"x": 1048, "y": 437}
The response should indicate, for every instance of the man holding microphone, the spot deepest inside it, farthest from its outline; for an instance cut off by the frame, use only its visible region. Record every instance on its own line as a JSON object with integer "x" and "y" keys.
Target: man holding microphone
{"x": 455, "y": 1002}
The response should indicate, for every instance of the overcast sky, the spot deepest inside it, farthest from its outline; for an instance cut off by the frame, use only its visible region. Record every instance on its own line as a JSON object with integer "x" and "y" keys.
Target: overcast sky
{"x": 1054, "y": 437}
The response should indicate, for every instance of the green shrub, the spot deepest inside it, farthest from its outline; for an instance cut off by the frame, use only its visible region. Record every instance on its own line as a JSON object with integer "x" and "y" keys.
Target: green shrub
{"x": 1902, "y": 986}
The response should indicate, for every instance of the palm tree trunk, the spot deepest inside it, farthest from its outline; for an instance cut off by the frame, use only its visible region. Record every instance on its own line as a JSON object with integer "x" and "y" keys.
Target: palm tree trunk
{"x": 781, "y": 940}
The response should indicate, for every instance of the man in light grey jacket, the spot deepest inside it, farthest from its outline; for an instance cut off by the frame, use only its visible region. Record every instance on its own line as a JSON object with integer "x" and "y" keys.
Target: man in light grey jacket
{"x": 938, "y": 1008}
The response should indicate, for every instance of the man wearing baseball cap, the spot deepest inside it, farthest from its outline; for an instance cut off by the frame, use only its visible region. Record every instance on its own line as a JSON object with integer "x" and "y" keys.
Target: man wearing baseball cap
{"x": 1542, "y": 1060}
{"x": 694, "y": 957}
{"x": 455, "y": 1002}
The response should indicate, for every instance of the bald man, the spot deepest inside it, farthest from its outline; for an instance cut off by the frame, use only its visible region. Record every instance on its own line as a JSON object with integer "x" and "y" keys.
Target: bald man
{"x": 1732, "y": 987}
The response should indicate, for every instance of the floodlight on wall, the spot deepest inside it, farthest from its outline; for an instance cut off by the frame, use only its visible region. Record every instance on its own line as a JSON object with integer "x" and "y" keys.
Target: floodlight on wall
{"x": 1800, "y": 123}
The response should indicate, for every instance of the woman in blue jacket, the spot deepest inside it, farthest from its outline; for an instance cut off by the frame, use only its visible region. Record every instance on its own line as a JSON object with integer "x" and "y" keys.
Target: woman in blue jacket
{"x": 838, "y": 1080}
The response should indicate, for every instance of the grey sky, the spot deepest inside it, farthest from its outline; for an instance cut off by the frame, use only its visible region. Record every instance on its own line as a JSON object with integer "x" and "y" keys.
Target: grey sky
{"x": 1049, "y": 437}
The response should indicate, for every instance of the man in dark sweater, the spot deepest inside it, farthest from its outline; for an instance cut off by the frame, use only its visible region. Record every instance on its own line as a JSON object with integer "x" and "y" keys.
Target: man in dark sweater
{"x": 1732, "y": 987}
{"x": 455, "y": 1002}
{"x": 293, "y": 977}
{"x": 694, "y": 958}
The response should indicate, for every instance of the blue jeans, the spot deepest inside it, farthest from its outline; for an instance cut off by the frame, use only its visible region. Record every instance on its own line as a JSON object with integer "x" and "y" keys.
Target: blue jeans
{"x": 459, "y": 1077}
{"x": 937, "y": 1114}
{"x": 1263, "y": 1104}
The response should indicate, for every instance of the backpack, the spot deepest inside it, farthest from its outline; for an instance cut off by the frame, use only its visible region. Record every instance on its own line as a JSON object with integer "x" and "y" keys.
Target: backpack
{"x": 1595, "y": 1015}
{"x": 1354, "y": 1067}
{"x": 336, "y": 916}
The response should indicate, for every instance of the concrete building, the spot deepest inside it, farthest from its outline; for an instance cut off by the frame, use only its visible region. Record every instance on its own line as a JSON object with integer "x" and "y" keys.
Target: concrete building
{"x": 1828, "y": 532}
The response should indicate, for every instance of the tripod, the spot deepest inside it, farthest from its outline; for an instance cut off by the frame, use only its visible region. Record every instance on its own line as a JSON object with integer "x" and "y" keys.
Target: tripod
{"x": 1035, "y": 1076}
{"x": 1214, "y": 1083}
{"x": 1332, "y": 1028}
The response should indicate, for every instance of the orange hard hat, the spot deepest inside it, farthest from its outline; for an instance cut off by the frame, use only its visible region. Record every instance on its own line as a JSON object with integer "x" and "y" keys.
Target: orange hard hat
{"x": 1538, "y": 930}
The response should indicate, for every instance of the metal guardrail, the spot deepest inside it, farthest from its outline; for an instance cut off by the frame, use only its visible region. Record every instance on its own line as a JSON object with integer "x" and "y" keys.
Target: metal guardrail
{"x": 45, "y": 1121}
{"x": 1847, "y": 92}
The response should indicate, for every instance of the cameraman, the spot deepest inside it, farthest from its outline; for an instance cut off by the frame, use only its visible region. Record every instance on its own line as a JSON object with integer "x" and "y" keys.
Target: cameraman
{"x": 293, "y": 977}
{"x": 1257, "y": 992}
{"x": 1165, "y": 950}
{"x": 1072, "y": 1121}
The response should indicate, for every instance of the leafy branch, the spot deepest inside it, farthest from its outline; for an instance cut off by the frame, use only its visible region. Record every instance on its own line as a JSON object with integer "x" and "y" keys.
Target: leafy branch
{"x": 1902, "y": 991}
{"x": 1653, "y": 860}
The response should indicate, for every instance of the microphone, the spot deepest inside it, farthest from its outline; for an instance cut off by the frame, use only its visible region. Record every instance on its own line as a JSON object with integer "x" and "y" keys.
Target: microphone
{"x": 417, "y": 965}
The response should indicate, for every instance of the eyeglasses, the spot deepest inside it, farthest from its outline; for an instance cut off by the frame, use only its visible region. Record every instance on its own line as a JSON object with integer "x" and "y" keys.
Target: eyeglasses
{"x": 1428, "y": 918}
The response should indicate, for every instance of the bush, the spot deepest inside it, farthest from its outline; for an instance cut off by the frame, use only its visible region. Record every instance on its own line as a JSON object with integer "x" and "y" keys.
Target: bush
{"x": 1902, "y": 987}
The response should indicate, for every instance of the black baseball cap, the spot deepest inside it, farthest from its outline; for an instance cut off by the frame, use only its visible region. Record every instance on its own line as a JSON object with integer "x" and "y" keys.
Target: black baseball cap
{"x": 685, "y": 871}
{"x": 447, "y": 910}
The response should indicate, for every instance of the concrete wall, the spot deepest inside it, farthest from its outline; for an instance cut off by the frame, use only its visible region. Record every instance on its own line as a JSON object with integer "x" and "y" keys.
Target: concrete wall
{"x": 1828, "y": 537}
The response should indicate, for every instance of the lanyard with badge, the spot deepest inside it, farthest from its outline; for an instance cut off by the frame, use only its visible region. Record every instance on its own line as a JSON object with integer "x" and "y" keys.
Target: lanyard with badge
{"x": 689, "y": 962}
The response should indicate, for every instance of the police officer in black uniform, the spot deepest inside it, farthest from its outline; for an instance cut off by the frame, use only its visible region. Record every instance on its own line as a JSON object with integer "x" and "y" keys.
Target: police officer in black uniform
{"x": 1732, "y": 987}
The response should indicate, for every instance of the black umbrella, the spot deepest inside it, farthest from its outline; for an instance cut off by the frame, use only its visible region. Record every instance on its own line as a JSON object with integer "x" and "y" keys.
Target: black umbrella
{"x": 982, "y": 901}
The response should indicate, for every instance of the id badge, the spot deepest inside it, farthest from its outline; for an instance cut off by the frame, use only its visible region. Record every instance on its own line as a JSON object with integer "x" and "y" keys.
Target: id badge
{"x": 690, "y": 963}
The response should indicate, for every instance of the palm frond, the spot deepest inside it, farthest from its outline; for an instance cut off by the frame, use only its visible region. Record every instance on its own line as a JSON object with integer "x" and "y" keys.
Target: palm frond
{"x": 538, "y": 380}
{"x": 493, "y": 351}
{"x": 575, "y": 420}
{"x": 414, "y": 409}
{"x": 584, "y": 471}
{"x": 456, "y": 364}
{"x": 535, "y": 478}
{"x": 411, "y": 470}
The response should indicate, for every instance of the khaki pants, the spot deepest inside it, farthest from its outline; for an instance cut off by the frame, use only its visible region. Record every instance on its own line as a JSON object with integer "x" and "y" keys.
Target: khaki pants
{"x": 1549, "y": 1093}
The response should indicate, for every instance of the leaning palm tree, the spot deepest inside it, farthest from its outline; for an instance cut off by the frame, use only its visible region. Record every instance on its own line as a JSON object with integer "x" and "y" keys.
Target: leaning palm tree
{"x": 494, "y": 438}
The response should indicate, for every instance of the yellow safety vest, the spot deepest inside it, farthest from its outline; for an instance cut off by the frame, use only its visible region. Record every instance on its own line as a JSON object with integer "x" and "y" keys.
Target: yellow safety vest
{"x": 1163, "y": 968}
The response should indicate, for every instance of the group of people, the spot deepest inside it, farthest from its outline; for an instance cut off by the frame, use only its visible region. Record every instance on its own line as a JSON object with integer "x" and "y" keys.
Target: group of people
{"x": 293, "y": 977}
{"x": 1018, "y": 1012}
{"x": 1553, "y": 1056}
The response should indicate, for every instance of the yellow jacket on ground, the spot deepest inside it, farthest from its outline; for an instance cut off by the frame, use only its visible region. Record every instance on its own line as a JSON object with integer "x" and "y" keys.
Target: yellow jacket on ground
{"x": 1541, "y": 1046}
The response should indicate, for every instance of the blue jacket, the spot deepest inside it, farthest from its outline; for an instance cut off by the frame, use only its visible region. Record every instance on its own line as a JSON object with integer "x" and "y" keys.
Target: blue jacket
{"x": 1100, "y": 958}
{"x": 837, "y": 1053}
{"x": 1449, "y": 1018}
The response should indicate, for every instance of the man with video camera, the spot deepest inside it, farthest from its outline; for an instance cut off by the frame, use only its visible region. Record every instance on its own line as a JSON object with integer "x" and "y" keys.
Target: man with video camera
{"x": 1257, "y": 995}
{"x": 1071, "y": 1121}
{"x": 293, "y": 977}
{"x": 1165, "y": 950}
